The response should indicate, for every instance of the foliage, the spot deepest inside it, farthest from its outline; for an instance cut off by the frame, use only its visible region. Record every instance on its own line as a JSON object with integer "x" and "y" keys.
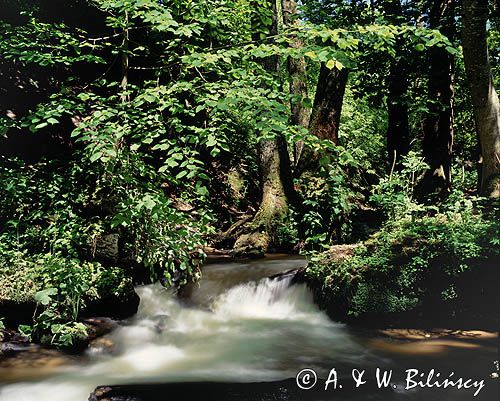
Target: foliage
{"x": 158, "y": 108}
{"x": 329, "y": 197}
{"x": 360, "y": 120}
{"x": 204, "y": 80}
{"x": 61, "y": 287}
{"x": 413, "y": 261}
{"x": 43, "y": 206}
{"x": 52, "y": 44}
{"x": 394, "y": 194}
{"x": 65, "y": 209}
{"x": 54, "y": 215}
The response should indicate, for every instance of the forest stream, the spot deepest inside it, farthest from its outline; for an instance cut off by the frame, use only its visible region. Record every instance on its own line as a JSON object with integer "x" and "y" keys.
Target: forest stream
{"x": 239, "y": 335}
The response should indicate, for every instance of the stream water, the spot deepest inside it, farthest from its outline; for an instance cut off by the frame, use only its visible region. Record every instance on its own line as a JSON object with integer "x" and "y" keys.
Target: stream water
{"x": 237, "y": 326}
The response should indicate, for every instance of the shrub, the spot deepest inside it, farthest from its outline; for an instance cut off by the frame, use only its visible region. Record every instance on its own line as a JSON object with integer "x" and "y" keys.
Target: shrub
{"x": 60, "y": 287}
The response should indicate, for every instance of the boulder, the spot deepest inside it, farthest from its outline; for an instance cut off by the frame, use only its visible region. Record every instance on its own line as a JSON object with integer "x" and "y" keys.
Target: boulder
{"x": 106, "y": 248}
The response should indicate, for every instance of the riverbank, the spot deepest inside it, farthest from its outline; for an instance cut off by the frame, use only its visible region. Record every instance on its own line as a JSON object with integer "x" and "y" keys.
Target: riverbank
{"x": 428, "y": 272}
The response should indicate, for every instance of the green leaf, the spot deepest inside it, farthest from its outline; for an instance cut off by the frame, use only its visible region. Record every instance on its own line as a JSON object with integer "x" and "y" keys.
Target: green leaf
{"x": 451, "y": 50}
{"x": 182, "y": 174}
{"x": 330, "y": 64}
{"x": 110, "y": 152}
{"x": 41, "y": 125}
{"x": 44, "y": 296}
{"x": 211, "y": 142}
{"x": 171, "y": 162}
{"x": 95, "y": 156}
{"x": 311, "y": 55}
{"x": 149, "y": 98}
{"x": 25, "y": 330}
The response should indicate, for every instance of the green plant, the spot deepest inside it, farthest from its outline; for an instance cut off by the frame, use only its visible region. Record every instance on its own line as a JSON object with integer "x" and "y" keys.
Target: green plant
{"x": 287, "y": 233}
{"x": 62, "y": 287}
{"x": 329, "y": 197}
{"x": 63, "y": 284}
{"x": 394, "y": 193}
{"x": 413, "y": 260}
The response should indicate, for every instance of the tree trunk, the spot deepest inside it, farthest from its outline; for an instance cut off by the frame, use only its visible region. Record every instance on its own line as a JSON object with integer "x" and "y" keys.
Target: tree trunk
{"x": 398, "y": 135}
{"x": 298, "y": 77}
{"x": 325, "y": 116}
{"x": 327, "y": 107}
{"x": 260, "y": 234}
{"x": 438, "y": 125}
{"x": 483, "y": 95}
{"x": 125, "y": 61}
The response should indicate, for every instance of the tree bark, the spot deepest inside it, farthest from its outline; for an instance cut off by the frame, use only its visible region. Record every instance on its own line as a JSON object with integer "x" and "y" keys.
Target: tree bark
{"x": 398, "y": 135}
{"x": 325, "y": 116}
{"x": 327, "y": 107}
{"x": 298, "y": 77}
{"x": 125, "y": 61}
{"x": 260, "y": 234}
{"x": 483, "y": 95}
{"x": 438, "y": 124}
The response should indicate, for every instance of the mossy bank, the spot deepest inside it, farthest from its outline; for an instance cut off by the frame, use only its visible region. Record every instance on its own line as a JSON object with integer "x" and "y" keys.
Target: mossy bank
{"x": 430, "y": 271}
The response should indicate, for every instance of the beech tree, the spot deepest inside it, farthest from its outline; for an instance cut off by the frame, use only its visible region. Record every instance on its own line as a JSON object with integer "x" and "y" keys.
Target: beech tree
{"x": 274, "y": 166}
{"x": 483, "y": 94}
{"x": 438, "y": 125}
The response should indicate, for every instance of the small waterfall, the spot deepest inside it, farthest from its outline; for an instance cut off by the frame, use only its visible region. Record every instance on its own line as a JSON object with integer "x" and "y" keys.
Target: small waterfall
{"x": 266, "y": 299}
{"x": 250, "y": 331}
{"x": 236, "y": 326}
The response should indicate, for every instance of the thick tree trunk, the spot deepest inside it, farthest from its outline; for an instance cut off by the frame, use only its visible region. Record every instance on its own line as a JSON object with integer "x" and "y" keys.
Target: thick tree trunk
{"x": 438, "y": 125}
{"x": 483, "y": 95}
{"x": 298, "y": 77}
{"x": 398, "y": 136}
{"x": 259, "y": 235}
{"x": 325, "y": 116}
{"x": 327, "y": 107}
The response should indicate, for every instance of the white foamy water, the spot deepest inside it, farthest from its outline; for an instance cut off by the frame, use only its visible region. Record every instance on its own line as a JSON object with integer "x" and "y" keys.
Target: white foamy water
{"x": 253, "y": 331}
{"x": 267, "y": 299}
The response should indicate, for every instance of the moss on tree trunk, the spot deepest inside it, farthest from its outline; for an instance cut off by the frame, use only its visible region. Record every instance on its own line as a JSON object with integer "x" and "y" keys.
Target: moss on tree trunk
{"x": 260, "y": 234}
